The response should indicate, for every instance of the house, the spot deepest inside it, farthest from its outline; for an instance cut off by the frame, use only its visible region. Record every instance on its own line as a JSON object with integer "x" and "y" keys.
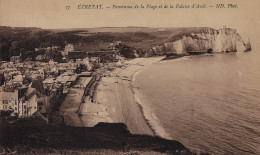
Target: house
{"x": 43, "y": 105}
{"x": 72, "y": 69}
{"x": 55, "y": 48}
{"x": 114, "y": 46}
{"x": 19, "y": 65}
{"x": 118, "y": 43}
{"x": 111, "y": 46}
{"x": 63, "y": 79}
{"x": 48, "y": 49}
{"x": 51, "y": 62}
{"x": 118, "y": 57}
{"x": 4, "y": 64}
{"x": 38, "y": 73}
{"x": 48, "y": 82}
{"x": 78, "y": 60}
{"x": 18, "y": 79}
{"x": 95, "y": 60}
{"x": 28, "y": 104}
{"x": 69, "y": 48}
{"x": 8, "y": 100}
{"x": 22, "y": 102}
{"x": 39, "y": 49}
{"x": 16, "y": 59}
{"x": 119, "y": 63}
{"x": 10, "y": 65}
{"x": 73, "y": 79}
{"x": 9, "y": 73}
{"x": 41, "y": 73}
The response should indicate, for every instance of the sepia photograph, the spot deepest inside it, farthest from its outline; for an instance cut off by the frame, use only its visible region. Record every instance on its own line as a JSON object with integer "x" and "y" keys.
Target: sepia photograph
{"x": 130, "y": 77}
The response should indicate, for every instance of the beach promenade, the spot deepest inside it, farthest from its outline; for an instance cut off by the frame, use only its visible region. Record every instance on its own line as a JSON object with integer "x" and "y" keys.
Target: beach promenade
{"x": 70, "y": 106}
{"x": 115, "y": 99}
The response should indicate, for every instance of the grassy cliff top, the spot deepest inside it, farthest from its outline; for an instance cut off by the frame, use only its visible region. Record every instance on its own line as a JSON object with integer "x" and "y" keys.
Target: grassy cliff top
{"x": 33, "y": 136}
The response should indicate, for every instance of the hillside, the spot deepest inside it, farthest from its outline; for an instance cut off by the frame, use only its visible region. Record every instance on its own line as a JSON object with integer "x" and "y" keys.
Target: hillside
{"x": 18, "y": 40}
{"x": 35, "y": 137}
{"x": 139, "y": 41}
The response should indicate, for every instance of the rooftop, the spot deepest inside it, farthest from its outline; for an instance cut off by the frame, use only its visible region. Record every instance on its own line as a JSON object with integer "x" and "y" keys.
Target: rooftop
{"x": 51, "y": 80}
{"x": 18, "y": 78}
{"x": 8, "y": 96}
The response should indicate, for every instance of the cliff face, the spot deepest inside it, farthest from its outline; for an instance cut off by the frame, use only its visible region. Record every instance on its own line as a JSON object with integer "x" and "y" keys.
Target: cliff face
{"x": 223, "y": 40}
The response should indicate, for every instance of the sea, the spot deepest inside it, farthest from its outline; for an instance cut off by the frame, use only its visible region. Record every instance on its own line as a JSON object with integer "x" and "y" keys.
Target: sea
{"x": 209, "y": 103}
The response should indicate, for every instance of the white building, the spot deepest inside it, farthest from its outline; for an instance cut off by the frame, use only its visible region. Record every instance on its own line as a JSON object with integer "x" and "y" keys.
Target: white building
{"x": 17, "y": 79}
{"x": 25, "y": 106}
{"x": 69, "y": 48}
{"x": 8, "y": 100}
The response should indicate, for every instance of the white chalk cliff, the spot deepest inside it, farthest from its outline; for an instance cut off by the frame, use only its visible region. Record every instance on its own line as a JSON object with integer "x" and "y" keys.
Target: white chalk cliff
{"x": 223, "y": 40}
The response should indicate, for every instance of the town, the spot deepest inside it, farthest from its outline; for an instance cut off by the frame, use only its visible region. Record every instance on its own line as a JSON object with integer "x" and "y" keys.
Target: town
{"x": 84, "y": 89}
{"x": 38, "y": 87}
{"x": 53, "y": 77}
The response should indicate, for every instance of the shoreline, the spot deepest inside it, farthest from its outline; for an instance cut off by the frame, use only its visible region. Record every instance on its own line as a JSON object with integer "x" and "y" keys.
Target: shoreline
{"x": 131, "y": 86}
{"x": 152, "y": 121}
{"x": 116, "y": 93}
{"x": 119, "y": 100}
{"x": 141, "y": 105}
{"x": 119, "y": 95}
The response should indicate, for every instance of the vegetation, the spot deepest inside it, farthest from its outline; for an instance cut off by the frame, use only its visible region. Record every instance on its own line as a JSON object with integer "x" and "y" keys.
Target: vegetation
{"x": 32, "y": 134}
{"x": 14, "y": 41}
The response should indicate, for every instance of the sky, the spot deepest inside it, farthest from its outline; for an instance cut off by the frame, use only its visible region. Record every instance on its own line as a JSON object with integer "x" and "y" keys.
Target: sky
{"x": 52, "y": 14}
